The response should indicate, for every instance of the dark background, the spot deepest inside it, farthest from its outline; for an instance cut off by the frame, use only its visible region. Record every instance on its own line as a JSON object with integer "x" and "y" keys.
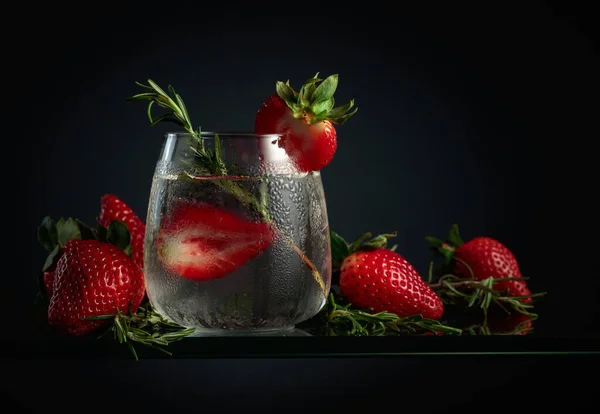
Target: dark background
{"x": 481, "y": 115}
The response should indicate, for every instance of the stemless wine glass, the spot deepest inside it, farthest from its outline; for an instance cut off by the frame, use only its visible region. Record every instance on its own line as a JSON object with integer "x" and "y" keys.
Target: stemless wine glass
{"x": 237, "y": 240}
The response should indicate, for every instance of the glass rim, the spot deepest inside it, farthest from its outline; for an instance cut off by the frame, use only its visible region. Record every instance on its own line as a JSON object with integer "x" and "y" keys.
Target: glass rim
{"x": 224, "y": 135}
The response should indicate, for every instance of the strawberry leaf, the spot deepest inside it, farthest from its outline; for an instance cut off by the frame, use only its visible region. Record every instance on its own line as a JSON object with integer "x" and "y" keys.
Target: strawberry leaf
{"x": 323, "y": 107}
{"x": 52, "y": 258}
{"x": 307, "y": 90}
{"x": 454, "y": 236}
{"x": 442, "y": 247}
{"x": 87, "y": 233}
{"x": 67, "y": 230}
{"x": 118, "y": 234}
{"x": 380, "y": 241}
{"x": 341, "y": 119}
{"x": 355, "y": 245}
{"x": 325, "y": 90}
{"x": 286, "y": 93}
{"x": 335, "y": 113}
{"x": 339, "y": 249}
{"x": 48, "y": 234}
{"x": 101, "y": 233}
{"x": 366, "y": 242}
{"x": 434, "y": 242}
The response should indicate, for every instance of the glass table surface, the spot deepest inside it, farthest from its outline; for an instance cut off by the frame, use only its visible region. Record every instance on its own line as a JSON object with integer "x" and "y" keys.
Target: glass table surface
{"x": 314, "y": 338}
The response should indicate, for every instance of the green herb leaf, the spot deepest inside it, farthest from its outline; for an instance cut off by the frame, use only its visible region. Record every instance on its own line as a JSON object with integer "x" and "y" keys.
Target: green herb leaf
{"x": 102, "y": 233}
{"x": 48, "y": 234}
{"x": 339, "y": 248}
{"x": 146, "y": 327}
{"x": 454, "y": 236}
{"x": 286, "y": 93}
{"x": 67, "y": 230}
{"x": 356, "y": 244}
{"x": 52, "y": 258}
{"x": 118, "y": 234}
{"x": 307, "y": 91}
{"x": 323, "y": 107}
{"x": 379, "y": 241}
{"x": 434, "y": 242}
{"x": 325, "y": 90}
{"x": 342, "y": 119}
{"x": 340, "y": 111}
{"x": 87, "y": 233}
{"x": 344, "y": 320}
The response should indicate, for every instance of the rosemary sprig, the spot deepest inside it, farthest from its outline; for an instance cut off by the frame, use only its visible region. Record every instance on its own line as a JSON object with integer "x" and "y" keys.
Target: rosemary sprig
{"x": 146, "y": 327}
{"x": 471, "y": 293}
{"x": 209, "y": 162}
{"x": 344, "y": 320}
{"x": 484, "y": 330}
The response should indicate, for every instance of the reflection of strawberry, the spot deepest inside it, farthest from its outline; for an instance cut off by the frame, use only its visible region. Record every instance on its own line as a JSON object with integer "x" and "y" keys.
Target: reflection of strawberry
{"x": 516, "y": 323}
{"x": 306, "y": 119}
{"x": 485, "y": 257}
{"x": 93, "y": 278}
{"x": 201, "y": 242}
{"x": 379, "y": 279}
{"x": 113, "y": 208}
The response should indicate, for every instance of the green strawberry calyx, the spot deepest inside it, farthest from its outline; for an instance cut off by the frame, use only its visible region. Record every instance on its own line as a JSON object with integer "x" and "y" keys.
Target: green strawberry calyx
{"x": 54, "y": 235}
{"x": 447, "y": 246}
{"x": 315, "y": 103}
{"x": 340, "y": 248}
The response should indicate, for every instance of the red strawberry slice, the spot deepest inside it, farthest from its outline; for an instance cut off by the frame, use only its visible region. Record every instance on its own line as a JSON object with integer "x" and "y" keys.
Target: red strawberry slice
{"x": 305, "y": 121}
{"x": 198, "y": 241}
{"x": 113, "y": 208}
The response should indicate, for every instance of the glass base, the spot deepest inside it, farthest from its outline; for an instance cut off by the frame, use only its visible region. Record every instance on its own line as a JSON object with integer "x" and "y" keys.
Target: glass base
{"x": 284, "y": 331}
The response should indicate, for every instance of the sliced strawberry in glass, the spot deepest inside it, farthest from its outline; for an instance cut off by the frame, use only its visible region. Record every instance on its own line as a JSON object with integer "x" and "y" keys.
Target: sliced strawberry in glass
{"x": 198, "y": 241}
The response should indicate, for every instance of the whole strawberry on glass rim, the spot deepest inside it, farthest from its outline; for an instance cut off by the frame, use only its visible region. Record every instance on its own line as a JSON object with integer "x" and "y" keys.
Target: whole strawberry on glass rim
{"x": 306, "y": 121}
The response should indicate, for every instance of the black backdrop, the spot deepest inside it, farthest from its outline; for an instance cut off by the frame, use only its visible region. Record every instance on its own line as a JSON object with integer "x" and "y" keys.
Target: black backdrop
{"x": 479, "y": 115}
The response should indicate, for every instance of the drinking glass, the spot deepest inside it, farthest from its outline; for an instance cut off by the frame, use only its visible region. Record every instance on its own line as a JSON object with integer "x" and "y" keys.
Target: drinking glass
{"x": 237, "y": 240}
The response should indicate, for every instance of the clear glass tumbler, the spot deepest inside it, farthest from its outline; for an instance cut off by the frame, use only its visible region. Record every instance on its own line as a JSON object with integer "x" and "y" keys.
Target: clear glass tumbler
{"x": 237, "y": 241}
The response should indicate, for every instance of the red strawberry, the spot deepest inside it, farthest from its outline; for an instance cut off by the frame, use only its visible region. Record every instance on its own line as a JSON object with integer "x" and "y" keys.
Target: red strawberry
{"x": 382, "y": 280}
{"x": 113, "y": 208}
{"x": 200, "y": 242}
{"x": 306, "y": 121}
{"x": 379, "y": 279}
{"x": 93, "y": 278}
{"x": 486, "y": 257}
{"x": 489, "y": 258}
